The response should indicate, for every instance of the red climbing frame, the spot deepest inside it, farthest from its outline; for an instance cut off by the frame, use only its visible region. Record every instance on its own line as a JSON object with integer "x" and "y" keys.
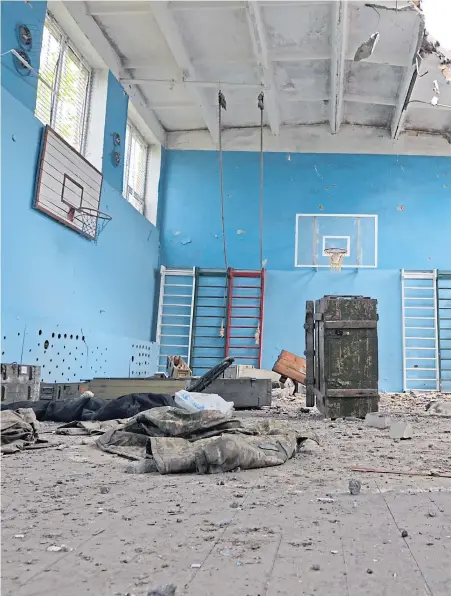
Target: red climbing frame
{"x": 252, "y": 327}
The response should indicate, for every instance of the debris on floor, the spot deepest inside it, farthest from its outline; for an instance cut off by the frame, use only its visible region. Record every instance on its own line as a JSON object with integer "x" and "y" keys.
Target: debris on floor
{"x": 377, "y": 420}
{"x": 354, "y": 487}
{"x": 167, "y": 590}
{"x": 176, "y": 368}
{"x": 134, "y": 534}
{"x": 401, "y": 430}
{"x": 439, "y": 407}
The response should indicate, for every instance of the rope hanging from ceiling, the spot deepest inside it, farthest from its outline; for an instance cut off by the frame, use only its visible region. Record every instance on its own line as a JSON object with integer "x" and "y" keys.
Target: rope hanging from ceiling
{"x": 222, "y": 105}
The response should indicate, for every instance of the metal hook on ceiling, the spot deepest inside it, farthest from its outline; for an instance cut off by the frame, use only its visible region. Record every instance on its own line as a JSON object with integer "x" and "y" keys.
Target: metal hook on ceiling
{"x": 418, "y": 60}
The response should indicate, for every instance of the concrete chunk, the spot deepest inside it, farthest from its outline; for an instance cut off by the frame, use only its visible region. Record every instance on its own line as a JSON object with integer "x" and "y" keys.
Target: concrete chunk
{"x": 376, "y": 420}
{"x": 401, "y": 430}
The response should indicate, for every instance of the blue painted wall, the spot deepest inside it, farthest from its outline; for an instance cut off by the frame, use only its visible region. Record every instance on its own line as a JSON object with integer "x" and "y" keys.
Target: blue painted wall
{"x": 13, "y": 14}
{"x": 53, "y": 280}
{"x": 416, "y": 237}
{"x": 115, "y": 121}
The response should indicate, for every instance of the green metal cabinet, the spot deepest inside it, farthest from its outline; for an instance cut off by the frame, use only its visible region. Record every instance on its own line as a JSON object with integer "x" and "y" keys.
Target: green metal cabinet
{"x": 342, "y": 355}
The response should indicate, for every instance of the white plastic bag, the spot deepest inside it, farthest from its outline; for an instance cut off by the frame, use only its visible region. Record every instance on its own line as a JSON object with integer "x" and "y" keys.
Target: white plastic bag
{"x": 194, "y": 402}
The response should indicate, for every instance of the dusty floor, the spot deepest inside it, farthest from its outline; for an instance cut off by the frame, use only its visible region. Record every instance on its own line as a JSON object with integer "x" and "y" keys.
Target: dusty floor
{"x": 259, "y": 532}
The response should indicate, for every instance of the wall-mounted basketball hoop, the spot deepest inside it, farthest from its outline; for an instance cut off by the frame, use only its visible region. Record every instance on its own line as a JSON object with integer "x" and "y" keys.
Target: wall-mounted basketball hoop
{"x": 335, "y": 257}
{"x": 92, "y": 221}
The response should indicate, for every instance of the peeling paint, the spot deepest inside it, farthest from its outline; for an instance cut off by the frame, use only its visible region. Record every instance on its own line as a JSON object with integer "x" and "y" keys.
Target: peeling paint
{"x": 186, "y": 241}
{"x": 400, "y": 207}
{"x": 264, "y": 262}
{"x": 321, "y": 207}
{"x": 177, "y": 233}
{"x": 241, "y": 231}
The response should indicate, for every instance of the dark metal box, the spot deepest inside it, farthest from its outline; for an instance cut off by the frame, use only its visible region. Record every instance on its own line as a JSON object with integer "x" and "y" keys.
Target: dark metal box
{"x": 342, "y": 363}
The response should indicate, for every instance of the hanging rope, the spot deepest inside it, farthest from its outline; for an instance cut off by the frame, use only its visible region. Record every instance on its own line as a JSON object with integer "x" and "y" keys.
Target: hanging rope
{"x": 261, "y": 106}
{"x": 222, "y": 105}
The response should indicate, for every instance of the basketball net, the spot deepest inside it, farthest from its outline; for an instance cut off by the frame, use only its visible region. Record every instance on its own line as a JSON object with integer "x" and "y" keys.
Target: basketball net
{"x": 335, "y": 257}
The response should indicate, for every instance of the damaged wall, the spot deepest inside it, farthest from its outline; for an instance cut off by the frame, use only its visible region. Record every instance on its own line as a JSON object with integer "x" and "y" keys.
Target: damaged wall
{"x": 92, "y": 303}
{"x": 410, "y": 195}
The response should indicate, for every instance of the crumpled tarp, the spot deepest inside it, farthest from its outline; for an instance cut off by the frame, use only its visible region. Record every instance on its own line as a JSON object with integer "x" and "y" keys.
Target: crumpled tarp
{"x": 89, "y": 427}
{"x": 205, "y": 442}
{"x": 19, "y": 430}
{"x": 93, "y": 408}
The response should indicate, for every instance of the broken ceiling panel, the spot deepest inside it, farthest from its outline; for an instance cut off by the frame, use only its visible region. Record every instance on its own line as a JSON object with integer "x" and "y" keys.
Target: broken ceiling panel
{"x": 395, "y": 28}
{"x": 293, "y": 56}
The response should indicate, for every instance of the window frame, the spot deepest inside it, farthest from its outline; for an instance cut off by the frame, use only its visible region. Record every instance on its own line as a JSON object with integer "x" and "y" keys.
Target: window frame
{"x": 134, "y": 132}
{"x": 66, "y": 46}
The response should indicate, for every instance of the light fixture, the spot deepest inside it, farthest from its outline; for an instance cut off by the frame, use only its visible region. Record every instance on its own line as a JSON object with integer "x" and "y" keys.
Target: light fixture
{"x": 365, "y": 50}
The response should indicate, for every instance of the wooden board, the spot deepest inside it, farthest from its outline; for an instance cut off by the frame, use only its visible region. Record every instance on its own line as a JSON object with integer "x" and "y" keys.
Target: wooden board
{"x": 291, "y": 366}
{"x": 245, "y": 393}
{"x": 113, "y": 388}
{"x": 66, "y": 182}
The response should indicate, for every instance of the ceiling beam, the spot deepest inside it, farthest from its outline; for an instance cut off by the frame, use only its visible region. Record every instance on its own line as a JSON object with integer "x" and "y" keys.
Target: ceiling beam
{"x": 283, "y": 55}
{"x": 258, "y": 37}
{"x": 408, "y": 82}
{"x": 337, "y": 69}
{"x": 171, "y": 33}
{"x": 112, "y": 61}
{"x": 193, "y": 83}
{"x": 106, "y": 9}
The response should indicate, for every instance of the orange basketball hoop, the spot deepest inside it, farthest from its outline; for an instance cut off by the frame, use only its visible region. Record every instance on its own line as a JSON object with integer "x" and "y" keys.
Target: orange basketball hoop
{"x": 335, "y": 257}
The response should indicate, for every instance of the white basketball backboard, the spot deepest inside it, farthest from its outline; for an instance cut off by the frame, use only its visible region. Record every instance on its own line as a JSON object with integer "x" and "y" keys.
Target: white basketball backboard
{"x": 354, "y": 233}
{"x": 66, "y": 182}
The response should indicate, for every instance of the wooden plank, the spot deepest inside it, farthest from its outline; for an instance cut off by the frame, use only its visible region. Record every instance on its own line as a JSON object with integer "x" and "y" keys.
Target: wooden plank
{"x": 352, "y": 392}
{"x": 350, "y": 324}
{"x": 291, "y": 366}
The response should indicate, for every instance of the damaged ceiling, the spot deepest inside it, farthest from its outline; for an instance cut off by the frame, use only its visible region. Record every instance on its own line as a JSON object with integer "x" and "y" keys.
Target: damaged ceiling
{"x": 175, "y": 56}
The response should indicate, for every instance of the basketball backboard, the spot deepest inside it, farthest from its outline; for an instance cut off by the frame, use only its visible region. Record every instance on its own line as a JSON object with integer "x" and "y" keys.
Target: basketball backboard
{"x": 66, "y": 182}
{"x": 356, "y": 234}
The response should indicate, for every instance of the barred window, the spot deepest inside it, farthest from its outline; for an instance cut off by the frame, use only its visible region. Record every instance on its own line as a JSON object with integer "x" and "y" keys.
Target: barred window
{"x": 63, "y": 86}
{"x": 135, "y": 168}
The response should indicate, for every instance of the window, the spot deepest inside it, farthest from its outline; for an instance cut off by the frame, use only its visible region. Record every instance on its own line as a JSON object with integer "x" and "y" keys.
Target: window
{"x": 135, "y": 170}
{"x": 64, "y": 86}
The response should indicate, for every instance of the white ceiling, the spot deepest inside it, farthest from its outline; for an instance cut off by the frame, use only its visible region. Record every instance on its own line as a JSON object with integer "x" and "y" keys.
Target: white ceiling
{"x": 177, "y": 55}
